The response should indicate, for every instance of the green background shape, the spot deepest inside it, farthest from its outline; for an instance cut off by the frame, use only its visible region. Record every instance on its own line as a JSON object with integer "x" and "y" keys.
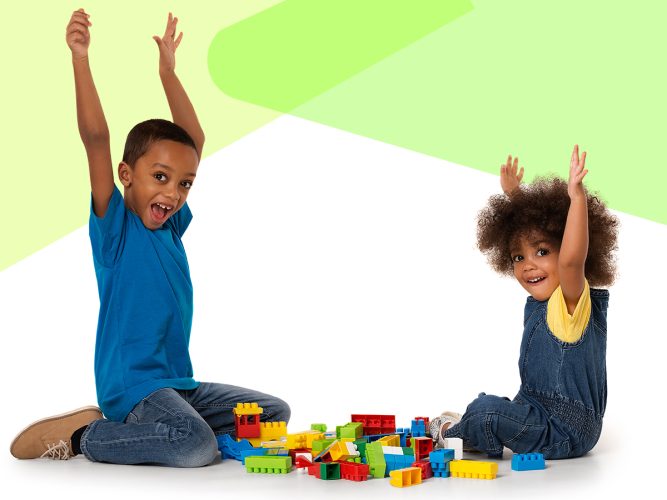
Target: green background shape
{"x": 518, "y": 76}
{"x": 514, "y": 77}
{"x": 289, "y": 54}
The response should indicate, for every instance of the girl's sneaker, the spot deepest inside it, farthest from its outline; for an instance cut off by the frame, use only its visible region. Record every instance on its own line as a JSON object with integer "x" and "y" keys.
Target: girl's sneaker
{"x": 439, "y": 425}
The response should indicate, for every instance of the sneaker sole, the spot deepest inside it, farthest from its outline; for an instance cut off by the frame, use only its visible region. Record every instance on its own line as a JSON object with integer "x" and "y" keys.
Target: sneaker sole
{"x": 95, "y": 414}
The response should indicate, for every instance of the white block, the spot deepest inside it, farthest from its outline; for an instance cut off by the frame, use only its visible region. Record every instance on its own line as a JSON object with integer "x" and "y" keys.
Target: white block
{"x": 455, "y": 444}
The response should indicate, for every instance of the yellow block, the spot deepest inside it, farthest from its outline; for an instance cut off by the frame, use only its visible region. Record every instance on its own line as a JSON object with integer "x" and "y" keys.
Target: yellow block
{"x": 296, "y": 441}
{"x": 313, "y": 436}
{"x": 247, "y": 409}
{"x": 341, "y": 450}
{"x": 405, "y": 477}
{"x": 393, "y": 440}
{"x": 473, "y": 469}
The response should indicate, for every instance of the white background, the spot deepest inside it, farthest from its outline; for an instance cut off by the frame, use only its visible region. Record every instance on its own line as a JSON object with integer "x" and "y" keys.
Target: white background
{"x": 340, "y": 274}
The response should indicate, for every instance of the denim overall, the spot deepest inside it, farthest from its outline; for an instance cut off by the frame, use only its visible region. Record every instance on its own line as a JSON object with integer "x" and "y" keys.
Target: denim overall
{"x": 559, "y": 408}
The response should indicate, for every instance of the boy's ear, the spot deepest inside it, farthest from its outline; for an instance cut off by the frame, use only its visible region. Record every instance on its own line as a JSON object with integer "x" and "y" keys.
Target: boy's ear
{"x": 125, "y": 174}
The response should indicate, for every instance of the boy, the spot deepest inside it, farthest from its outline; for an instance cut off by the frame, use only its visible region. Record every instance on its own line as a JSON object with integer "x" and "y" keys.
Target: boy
{"x": 156, "y": 412}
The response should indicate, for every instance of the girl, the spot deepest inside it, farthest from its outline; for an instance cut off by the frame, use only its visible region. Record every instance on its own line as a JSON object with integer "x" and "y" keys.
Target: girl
{"x": 556, "y": 240}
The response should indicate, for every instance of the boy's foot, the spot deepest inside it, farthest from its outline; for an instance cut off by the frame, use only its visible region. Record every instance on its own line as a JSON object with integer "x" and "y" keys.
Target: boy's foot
{"x": 439, "y": 425}
{"x": 50, "y": 437}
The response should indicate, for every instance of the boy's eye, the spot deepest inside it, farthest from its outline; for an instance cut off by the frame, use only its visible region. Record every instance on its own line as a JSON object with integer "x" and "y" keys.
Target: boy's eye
{"x": 517, "y": 258}
{"x": 160, "y": 177}
{"x": 186, "y": 184}
{"x": 542, "y": 252}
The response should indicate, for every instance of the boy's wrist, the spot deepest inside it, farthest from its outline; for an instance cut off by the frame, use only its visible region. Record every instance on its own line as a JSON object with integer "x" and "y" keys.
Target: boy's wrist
{"x": 76, "y": 59}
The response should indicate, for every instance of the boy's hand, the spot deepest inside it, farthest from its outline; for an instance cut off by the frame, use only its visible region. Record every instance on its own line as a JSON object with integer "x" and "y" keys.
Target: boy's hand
{"x": 509, "y": 179}
{"x": 575, "y": 186}
{"x": 77, "y": 34}
{"x": 168, "y": 45}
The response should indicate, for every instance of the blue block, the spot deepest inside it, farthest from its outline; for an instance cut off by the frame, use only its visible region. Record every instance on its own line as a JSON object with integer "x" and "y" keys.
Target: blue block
{"x": 418, "y": 428}
{"x": 255, "y": 452}
{"x": 528, "y": 461}
{"x": 441, "y": 471}
{"x": 441, "y": 456}
{"x": 230, "y": 448}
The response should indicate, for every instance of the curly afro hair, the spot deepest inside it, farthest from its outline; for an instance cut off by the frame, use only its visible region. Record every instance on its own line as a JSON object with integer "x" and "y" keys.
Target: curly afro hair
{"x": 541, "y": 207}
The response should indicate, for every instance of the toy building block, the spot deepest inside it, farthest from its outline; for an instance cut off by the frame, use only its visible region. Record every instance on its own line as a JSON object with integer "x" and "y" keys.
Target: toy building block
{"x": 427, "y": 470}
{"x": 405, "y": 477}
{"x": 253, "y": 452}
{"x": 269, "y": 464}
{"x": 296, "y": 441}
{"x": 418, "y": 429}
{"x": 395, "y": 462}
{"x": 230, "y": 448}
{"x": 269, "y": 431}
{"x": 391, "y": 440}
{"x": 376, "y": 424}
{"x": 319, "y": 445}
{"x": 302, "y": 462}
{"x": 424, "y": 419}
{"x": 403, "y": 434}
{"x": 318, "y": 427}
{"x": 473, "y": 469}
{"x": 246, "y": 420}
{"x": 455, "y": 444}
{"x": 300, "y": 451}
{"x": 375, "y": 460}
{"x": 354, "y": 471}
{"x": 352, "y": 430}
{"x": 313, "y": 436}
{"x": 341, "y": 450}
{"x": 314, "y": 470}
{"x": 527, "y": 461}
{"x": 422, "y": 446}
{"x": 330, "y": 470}
{"x": 440, "y": 460}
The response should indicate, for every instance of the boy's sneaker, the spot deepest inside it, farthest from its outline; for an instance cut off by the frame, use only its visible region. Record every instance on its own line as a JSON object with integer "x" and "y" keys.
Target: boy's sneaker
{"x": 50, "y": 437}
{"x": 440, "y": 424}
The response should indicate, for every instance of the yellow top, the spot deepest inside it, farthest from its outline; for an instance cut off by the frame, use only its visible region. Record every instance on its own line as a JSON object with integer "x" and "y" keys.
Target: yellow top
{"x": 568, "y": 328}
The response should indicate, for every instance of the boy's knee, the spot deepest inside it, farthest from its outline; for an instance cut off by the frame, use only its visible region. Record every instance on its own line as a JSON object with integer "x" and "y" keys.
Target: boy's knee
{"x": 279, "y": 411}
{"x": 197, "y": 446}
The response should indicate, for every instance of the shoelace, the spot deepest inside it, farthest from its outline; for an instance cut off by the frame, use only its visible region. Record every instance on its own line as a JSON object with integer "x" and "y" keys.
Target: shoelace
{"x": 58, "y": 451}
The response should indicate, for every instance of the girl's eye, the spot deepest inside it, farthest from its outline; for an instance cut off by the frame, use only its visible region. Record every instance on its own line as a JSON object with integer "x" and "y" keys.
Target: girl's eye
{"x": 160, "y": 177}
{"x": 517, "y": 258}
{"x": 542, "y": 252}
{"x": 186, "y": 184}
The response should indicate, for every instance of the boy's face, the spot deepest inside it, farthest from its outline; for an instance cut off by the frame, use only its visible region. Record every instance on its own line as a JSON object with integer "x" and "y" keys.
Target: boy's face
{"x": 158, "y": 184}
{"x": 535, "y": 261}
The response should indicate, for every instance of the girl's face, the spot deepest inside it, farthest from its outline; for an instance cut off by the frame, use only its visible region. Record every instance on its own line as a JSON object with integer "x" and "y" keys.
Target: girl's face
{"x": 535, "y": 261}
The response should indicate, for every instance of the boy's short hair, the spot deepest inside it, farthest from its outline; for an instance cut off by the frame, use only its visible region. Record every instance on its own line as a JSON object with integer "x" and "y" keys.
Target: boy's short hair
{"x": 542, "y": 207}
{"x": 143, "y": 135}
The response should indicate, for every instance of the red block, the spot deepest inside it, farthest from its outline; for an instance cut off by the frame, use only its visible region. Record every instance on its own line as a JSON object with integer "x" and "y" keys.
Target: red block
{"x": 247, "y": 426}
{"x": 353, "y": 471}
{"x": 425, "y": 419}
{"x": 314, "y": 470}
{"x": 427, "y": 470}
{"x": 423, "y": 446}
{"x": 376, "y": 424}
{"x": 302, "y": 462}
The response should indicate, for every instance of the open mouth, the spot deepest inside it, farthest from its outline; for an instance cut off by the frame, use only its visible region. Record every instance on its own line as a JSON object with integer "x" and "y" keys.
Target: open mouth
{"x": 534, "y": 281}
{"x": 160, "y": 212}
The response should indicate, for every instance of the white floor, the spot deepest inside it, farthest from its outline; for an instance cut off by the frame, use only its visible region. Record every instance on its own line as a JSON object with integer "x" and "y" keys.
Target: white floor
{"x": 341, "y": 274}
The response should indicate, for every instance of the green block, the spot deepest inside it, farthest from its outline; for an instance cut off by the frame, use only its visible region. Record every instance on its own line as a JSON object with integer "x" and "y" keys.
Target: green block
{"x": 269, "y": 464}
{"x": 318, "y": 427}
{"x": 408, "y": 451}
{"x": 361, "y": 446}
{"x": 353, "y": 430}
{"x": 320, "y": 444}
{"x": 375, "y": 459}
{"x": 330, "y": 470}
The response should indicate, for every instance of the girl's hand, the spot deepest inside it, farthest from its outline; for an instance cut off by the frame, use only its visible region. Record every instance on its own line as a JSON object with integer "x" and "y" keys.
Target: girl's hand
{"x": 168, "y": 45}
{"x": 77, "y": 35}
{"x": 509, "y": 179}
{"x": 575, "y": 185}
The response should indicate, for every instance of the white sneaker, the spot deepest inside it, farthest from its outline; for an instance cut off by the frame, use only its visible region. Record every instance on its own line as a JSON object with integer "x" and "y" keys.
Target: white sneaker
{"x": 439, "y": 425}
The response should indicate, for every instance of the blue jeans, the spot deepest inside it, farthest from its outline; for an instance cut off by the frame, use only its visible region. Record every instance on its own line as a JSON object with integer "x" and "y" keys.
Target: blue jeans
{"x": 491, "y": 423}
{"x": 175, "y": 428}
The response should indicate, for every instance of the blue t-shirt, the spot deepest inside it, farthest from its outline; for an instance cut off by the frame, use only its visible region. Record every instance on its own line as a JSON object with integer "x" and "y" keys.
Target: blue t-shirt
{"x": 145, "y": 319}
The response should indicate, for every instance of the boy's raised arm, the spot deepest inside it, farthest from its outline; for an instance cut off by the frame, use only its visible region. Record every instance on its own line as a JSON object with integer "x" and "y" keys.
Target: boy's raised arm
{"x": 90, "y": 116}
{"x": 182, "y": 111}
{"x": 574, "y": 247}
